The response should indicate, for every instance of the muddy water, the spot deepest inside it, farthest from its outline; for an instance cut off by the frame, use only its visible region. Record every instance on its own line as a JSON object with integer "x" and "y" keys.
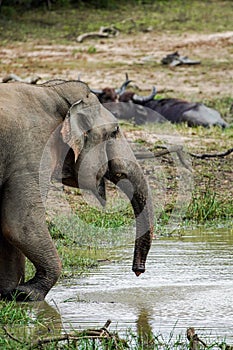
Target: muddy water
{"x": 188, "y": 282}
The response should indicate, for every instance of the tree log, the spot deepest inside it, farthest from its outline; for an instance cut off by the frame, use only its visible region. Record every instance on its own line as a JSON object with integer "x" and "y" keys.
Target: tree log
{"x": 104, "y": 32}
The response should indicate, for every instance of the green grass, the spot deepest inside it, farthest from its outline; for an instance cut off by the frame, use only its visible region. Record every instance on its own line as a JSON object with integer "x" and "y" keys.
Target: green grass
{"x": 206, "y": 206}
{"x": 211, "y": 197}
{"x": 122, "y": 216}
{"x": 24, "y": 324}
{"x": 14, "y": 334}
{"x": 53, "y": 26}
{"x": 10, "y": 314}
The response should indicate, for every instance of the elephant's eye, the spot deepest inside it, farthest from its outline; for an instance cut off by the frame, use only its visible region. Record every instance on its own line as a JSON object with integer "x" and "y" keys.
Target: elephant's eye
{"x": 115, "y": 132}
{"x": 86, "y": 135}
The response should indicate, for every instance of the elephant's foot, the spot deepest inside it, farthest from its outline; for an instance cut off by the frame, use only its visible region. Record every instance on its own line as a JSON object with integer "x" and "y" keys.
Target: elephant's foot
{"x": 24, "y": 293}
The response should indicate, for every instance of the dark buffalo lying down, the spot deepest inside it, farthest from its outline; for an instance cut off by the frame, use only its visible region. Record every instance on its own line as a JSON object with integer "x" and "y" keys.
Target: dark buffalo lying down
{"x": 172, "y": 109}
{"x": 192, "y": 113}
{"x": 146, "y": 109}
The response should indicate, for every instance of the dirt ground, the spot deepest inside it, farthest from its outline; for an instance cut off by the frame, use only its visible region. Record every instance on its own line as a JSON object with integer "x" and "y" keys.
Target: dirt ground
{"x": 103, "y": 62}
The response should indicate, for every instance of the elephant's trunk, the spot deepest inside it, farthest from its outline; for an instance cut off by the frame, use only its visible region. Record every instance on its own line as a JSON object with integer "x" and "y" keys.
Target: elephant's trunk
{"x": 126, "y": 173}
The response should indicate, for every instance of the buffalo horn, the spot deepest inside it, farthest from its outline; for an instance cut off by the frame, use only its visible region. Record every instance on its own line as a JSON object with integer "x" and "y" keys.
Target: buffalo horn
{"x": 97, "y": 92}
{"x": 137, "y": 98}
{"x": 121, "y": 90}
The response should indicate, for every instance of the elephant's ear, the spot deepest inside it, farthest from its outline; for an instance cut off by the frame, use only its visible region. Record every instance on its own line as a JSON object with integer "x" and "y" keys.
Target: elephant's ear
{"x": 74, "y": 128}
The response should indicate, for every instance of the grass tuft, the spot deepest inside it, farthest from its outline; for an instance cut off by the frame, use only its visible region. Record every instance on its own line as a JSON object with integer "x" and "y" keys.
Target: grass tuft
{"x": 206, "y": 206}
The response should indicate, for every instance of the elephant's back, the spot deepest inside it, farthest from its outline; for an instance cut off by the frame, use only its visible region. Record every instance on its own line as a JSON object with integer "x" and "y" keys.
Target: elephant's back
{"x": 23, "y": 110}
{"x": 25, "y": 126}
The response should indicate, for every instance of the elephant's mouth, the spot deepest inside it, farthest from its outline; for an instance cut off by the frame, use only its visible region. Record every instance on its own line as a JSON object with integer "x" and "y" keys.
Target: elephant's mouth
{"x": 100, "y": 192}
{"x": 90, "y": 177}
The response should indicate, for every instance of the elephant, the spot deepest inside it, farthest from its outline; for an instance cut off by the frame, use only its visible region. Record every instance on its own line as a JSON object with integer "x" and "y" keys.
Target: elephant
{"x": 59, "y": 129}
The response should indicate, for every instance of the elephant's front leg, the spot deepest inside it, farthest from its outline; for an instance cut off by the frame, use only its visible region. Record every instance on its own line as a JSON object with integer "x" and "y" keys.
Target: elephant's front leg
{"x": 12, "y": 266}
{"x": 25, "y": 228}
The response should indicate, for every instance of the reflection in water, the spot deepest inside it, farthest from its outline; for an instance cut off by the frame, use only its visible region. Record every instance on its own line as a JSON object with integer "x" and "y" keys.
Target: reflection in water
{"x": 188, "y": 283}
{"x": 144, "y": 328}
{"x": 45, "y": 322}
{"x": 48, "y": 317}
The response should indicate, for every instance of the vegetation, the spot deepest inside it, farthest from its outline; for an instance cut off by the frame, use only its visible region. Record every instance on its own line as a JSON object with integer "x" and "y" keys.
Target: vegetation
{"x": 25, "y": 327}
{"x": 20, "y": 21}
{"x": 211, "y": 202}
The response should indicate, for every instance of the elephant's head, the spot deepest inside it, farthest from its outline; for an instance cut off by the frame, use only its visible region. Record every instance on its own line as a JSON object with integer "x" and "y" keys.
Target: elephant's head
{"x": 86, "y": 129}
{"x": 99, "y": 151}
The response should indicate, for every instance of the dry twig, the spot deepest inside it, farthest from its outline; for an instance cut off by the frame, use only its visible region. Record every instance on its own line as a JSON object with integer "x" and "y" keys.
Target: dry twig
{"x": 11, "y": 336}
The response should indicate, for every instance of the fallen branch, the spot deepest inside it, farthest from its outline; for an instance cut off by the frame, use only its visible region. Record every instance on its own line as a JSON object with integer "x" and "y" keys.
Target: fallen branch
{"x": 90, "y": 334}
{"x": 13, "y": 77}
{"x": 200, "y": 156}
{"x": 178, "y": 149}
{"x": 212, "y": 155}
{"x": 166, "y": 150}
{"x": 104, "y": 32}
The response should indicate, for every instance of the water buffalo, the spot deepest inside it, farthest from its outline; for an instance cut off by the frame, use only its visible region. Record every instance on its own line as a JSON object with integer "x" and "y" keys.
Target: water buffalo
{"x": 132, "y": 110}
{"x": 108, "y": 94}
{"x": 178, "y": 111}
{"x": 192, "y": 113}
{"x": 146, "y": 109}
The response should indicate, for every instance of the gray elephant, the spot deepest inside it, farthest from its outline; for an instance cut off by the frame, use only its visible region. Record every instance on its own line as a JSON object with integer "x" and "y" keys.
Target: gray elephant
{"x": 58, "y": 128}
